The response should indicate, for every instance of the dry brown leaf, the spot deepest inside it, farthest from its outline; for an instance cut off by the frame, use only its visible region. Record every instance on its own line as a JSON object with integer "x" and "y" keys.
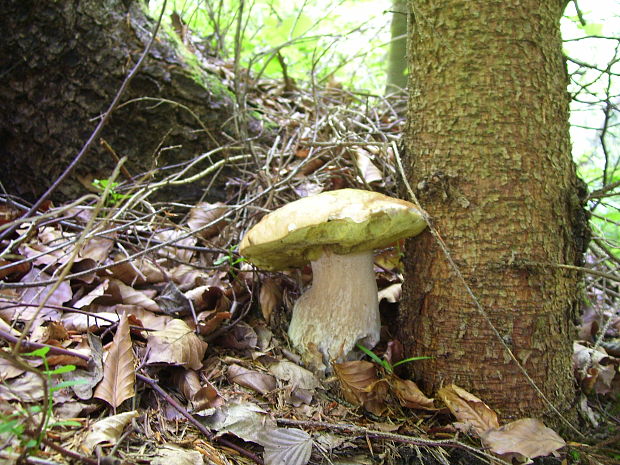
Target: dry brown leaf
{"x": 360, "y": 385}
{"x": 175, "y": 236}
{"x": 170, "y": 454}
{"x": 8, "y": 370}
{"x": 208, "y": 297}
{"x": 243, "y": 419}
{"x": 108, "y": 430}
{"x": 130, "y": 296}
{"x": 409, "y": 395}
{"x": 269, "y": 298}
{"x": 211, "y": 320}
{"x": 138, "y": 271}
{"x": 203, "y": 214}
{"x": 368, "y": 171}
{"x": 295, "y": 375}
{"x": 119, "y": 377}
{"x": 527, "y": 437}
{"x": 148, "y": 320}
{"x": 594, "y": 368}
{"x": 96, "y": 249}
{"x": 13, "y": 271}
{"x": 26, "y": 388}
{"x": 97, "y": 292}
{"x": 176, "y": 344}
{"x": 286, "y": 446}
{"x": 260, "y": 382}
{"x": 35, "y": 296}
{"x": 241, "y": 336}
{"x": 471, "y": 412}
{"x": 201, "y": 396}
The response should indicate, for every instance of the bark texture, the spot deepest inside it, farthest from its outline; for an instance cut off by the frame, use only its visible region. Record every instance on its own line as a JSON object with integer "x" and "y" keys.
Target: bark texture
{"x": 62, "y": 63}
{"x": 488, "y": 154}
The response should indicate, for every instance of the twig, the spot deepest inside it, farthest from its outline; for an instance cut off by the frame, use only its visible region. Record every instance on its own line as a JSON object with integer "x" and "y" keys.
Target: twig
{"x": 37, "y": 345}
{"x": 349, "y": 428}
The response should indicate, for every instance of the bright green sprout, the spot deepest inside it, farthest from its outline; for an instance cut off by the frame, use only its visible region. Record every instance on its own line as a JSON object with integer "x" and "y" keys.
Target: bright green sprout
{"x": 114, "y": 197}
{"x": 384, "y": 363}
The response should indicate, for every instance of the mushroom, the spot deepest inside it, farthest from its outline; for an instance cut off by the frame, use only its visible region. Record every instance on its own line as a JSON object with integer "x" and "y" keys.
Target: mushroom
{"x": 336, "y": 232}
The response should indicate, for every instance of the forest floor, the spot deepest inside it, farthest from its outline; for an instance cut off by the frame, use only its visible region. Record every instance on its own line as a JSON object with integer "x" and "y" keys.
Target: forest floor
{"x": 133, "y": 332}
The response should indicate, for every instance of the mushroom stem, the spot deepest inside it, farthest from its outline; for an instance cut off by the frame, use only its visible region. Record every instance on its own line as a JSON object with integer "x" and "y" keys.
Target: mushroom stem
{"x": 339, "y": 310}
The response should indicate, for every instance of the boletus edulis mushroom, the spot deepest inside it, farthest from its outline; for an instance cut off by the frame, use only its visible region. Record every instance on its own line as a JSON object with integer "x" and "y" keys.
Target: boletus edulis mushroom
{"x": 336, "y": 232}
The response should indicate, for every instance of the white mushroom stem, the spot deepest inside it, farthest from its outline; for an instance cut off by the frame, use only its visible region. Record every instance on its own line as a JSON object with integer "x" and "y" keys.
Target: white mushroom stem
{"x": 340, "y": 309}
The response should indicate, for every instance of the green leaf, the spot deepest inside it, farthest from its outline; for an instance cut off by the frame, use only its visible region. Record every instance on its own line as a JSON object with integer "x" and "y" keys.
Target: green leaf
{"x": 59, "y": 370}
{"x": 42, "y": 352}
{"x": 411, "y": 359}
{"x": 66, "y": 384}
{"x": 593, "y": 29}
{"x": 65, "y": 423}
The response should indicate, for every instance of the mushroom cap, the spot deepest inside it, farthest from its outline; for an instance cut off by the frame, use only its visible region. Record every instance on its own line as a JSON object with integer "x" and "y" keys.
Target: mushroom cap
{"x": 345, "y": 221}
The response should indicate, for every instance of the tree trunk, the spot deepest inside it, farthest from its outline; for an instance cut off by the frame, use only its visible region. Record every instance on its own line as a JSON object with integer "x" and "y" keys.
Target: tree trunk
{"x": 397, "y": 54}
{"x": 62, "y": 64}
{"x": 488, "y": 154}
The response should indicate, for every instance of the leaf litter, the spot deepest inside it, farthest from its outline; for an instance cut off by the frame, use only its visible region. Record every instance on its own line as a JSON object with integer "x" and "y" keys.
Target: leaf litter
{"x": 164, "y": 296}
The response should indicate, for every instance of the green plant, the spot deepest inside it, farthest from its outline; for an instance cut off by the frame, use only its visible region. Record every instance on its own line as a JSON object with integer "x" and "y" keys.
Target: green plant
{"x": 384, "y": 363}
{"x": 18, "y": 422}
{"x": 113, "y": 196}
{"x": 231, "y": 258}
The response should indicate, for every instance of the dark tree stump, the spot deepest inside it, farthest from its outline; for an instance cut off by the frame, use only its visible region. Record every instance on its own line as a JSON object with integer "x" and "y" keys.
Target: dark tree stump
{"x": 61, "y": 64}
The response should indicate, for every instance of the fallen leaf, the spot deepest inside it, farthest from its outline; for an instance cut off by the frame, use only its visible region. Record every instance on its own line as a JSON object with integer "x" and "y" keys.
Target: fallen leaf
{"x": 108, "y": 430}
{"x": 241, "y": 336}
{"x": 368, "y": 171}
{"x": 8, "y": 370}
{"x": 269, "y": 298}
{"x": 137, "y": 271}
{"x": 243, "y": 419}
{"x": 91, "y": 377}
{"x": 97, "y": 249}
{"x": 409, "y": 395}
{"x": 119, "y": 377}
{"x": 26, "y": 388}
{"x": 470, "y": 411}
{"x": 528, "y": 437}
{"x": 360, "y": 385}
{"x": 594, "y": 368}
{"x": 294, "y": 374}
{"x": 259, "y": 382}
{"x": 211, "y": 320}
{"x": 204, "y": 214}
{"x": 34, "y": 296}
{"x": 172, "y": 301}
{"x": 176, "y": 344}
{"x": 286, "y": 446}
{"x": 174, "y": 235}
{"x": 170, "y": 454}
{"x": 130, "y": 296}
{"x": 201, "y": 395}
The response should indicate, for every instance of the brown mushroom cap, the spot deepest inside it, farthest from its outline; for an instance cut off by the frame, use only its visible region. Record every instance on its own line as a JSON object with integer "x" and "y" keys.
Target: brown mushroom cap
{"x": 345, "y": 221}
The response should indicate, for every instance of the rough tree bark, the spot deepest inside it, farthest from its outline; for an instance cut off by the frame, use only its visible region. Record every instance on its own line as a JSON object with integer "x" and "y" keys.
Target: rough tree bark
{"x": 61, "y": 64}
{"x": 488, "y": 154}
